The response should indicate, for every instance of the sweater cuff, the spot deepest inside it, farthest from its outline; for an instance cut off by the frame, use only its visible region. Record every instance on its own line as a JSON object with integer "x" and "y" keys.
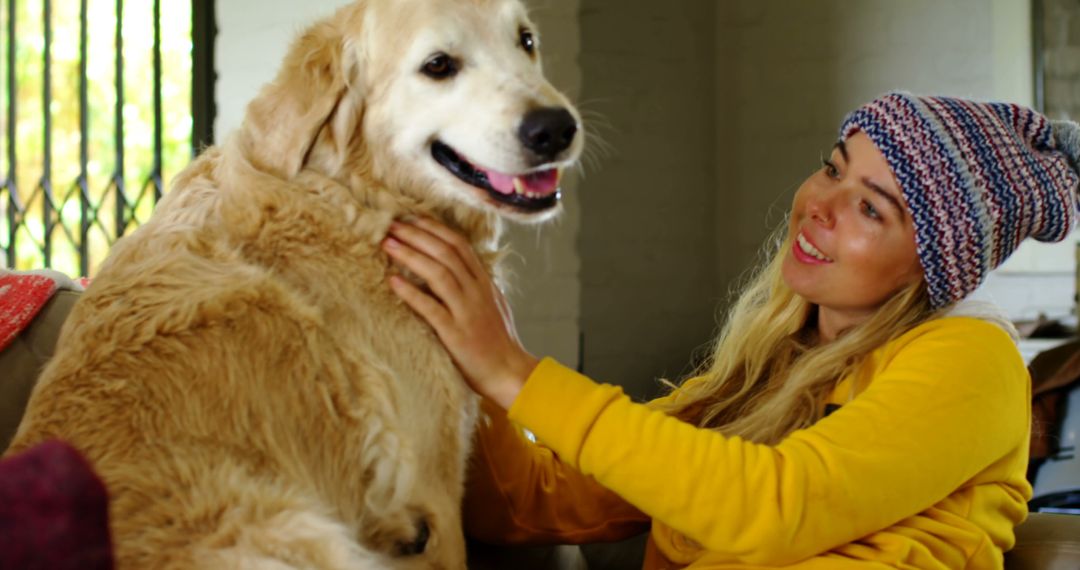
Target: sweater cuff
{"x": 560, "y": 406}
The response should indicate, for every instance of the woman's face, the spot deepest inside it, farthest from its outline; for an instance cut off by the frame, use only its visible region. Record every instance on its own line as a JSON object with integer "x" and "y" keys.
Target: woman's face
{"x": 852, "y": 239}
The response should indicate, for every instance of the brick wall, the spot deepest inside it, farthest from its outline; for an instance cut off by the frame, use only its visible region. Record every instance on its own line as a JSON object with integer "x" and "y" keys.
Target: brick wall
{"x": 1061, "y": 58}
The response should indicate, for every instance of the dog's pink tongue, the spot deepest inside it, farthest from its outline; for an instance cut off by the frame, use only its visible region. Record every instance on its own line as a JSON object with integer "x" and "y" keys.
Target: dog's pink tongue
{"x": 543, "y": 183}
{"x": 502, "y": 183}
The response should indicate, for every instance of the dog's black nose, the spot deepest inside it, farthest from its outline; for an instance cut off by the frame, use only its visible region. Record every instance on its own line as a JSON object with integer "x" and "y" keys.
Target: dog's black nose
{"x": 548, "y": 131}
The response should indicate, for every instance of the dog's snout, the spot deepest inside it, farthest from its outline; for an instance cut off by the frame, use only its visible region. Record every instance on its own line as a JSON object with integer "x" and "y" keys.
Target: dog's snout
{"x": 548, "y": 131}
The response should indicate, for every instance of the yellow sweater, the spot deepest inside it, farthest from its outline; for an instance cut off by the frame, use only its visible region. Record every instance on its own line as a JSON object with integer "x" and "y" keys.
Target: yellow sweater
{"x": 922, "y": 468}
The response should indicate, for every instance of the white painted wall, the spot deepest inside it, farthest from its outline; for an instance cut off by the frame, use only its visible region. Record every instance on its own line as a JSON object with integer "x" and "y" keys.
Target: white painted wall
{"x": 253, "y": 37}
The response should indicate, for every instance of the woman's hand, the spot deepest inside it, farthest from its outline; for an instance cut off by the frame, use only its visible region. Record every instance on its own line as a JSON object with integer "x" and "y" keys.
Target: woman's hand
{"x": 467, "y": 311}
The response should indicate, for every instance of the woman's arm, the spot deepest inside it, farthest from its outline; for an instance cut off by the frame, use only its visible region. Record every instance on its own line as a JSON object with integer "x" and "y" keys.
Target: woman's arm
{"x": 468, "y": 312}
{"x": 952, "y": 402}
{"x": 520, "y": 493}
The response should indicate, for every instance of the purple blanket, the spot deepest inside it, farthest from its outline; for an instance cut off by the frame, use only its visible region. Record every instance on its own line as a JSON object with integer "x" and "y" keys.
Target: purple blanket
{"x": 53, "y": 511}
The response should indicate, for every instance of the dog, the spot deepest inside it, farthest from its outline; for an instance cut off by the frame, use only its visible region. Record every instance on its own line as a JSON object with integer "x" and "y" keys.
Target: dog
{"x": 239, "y": 373}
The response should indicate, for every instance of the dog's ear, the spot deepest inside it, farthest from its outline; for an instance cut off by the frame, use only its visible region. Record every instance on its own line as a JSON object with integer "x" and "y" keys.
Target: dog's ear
{"x": 283, "y": 121}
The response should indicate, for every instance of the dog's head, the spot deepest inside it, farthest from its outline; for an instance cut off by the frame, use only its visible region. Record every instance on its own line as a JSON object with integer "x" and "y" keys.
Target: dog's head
{"x": 444, "y": 100}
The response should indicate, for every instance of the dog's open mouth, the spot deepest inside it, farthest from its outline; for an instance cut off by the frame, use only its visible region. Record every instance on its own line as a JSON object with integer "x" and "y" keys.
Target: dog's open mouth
{"x": 533, "y": 192}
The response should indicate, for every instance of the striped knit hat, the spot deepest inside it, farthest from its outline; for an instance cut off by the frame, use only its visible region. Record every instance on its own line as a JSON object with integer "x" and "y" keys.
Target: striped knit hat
{"x": 978, "y": 178}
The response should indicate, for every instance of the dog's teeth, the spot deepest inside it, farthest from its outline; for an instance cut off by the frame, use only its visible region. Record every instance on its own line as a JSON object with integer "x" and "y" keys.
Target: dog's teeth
{"x": 519, "y": 186}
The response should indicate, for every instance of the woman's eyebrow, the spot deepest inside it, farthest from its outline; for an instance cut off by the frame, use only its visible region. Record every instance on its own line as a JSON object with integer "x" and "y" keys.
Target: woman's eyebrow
{"x": 842, "y": 148}
{"x": 887, "y": 195}
{"x": 872, "y": 185}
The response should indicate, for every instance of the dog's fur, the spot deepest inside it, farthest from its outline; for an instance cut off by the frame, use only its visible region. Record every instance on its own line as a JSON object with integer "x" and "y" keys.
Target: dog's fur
{"x": 239, "y": 373}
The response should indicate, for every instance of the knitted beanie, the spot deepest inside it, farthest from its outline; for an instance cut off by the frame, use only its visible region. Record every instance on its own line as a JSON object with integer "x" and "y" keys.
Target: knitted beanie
{"x": 977, "y": 178}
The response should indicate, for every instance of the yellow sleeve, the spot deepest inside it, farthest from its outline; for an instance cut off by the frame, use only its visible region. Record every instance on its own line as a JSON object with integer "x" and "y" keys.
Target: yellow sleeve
{"x": 520, "y": 493}
{"x": 952, "y": 400}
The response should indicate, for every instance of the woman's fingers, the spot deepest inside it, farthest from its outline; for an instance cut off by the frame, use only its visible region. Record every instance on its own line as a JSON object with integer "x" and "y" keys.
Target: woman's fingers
{"x": 441, "y": 278}
{"x": 465, "y": 308}
{"x": 504, "y": 309}
{"x": 426, "y": 306}
{"x": 462, "y": 246}
{"x": 437, "y": 247}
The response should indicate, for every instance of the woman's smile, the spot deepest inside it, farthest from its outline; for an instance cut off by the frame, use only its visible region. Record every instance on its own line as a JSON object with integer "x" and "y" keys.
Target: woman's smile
{"x": 806, "y": 252}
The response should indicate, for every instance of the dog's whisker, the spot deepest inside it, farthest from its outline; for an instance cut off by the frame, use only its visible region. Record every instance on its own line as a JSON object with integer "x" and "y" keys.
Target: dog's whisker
{"x": 600, "y": 147}
{"x": 596, "y": 118}
{"x": 595, "y": 152}
{"x": 586, "y": 103}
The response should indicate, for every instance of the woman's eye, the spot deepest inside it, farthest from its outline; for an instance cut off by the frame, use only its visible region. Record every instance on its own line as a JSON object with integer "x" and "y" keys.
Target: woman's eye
{"x": 440, "y": 66}
{"x": 528, "y": 42}
{"x": 830, "y": 169}
{"x": 870, "y": 211}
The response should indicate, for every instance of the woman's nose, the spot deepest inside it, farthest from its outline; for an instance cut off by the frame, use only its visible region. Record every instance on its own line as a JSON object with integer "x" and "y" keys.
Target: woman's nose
{"x": 819, "y": 207}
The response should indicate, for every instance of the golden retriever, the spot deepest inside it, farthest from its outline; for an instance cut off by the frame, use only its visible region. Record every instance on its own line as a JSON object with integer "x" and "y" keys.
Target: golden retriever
{"x": 239, "y": 373}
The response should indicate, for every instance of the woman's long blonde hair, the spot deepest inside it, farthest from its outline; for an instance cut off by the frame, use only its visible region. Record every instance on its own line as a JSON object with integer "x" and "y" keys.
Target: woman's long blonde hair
{"x": 765, "y": 379}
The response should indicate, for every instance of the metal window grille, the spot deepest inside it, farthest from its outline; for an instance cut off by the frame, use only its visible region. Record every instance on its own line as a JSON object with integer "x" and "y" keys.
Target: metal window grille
{"x": 105, "y": 101}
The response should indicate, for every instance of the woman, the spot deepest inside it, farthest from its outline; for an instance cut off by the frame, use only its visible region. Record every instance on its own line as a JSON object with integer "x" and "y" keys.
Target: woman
{"x": 845, "y": 420}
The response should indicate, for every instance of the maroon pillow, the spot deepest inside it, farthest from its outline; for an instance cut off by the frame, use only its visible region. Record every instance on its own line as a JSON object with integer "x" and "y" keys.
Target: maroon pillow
{"x": 53, "y": 511}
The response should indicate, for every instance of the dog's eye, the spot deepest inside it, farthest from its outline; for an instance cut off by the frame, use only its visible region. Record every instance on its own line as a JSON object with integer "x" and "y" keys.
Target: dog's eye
{"x": 440, "y": 66}
{"x": 528, "y": 42}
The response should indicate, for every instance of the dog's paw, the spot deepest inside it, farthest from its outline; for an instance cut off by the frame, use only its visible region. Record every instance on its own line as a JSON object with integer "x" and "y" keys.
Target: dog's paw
{"x": 418, "y": 544}
{"x": 404, "y": 534}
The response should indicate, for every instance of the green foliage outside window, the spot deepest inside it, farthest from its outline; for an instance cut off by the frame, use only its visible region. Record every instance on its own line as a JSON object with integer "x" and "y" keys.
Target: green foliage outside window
{"x": 138, "y": 118}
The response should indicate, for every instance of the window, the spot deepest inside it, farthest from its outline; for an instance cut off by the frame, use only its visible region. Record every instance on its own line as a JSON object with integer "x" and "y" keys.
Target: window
{"x": 103, "y": 101}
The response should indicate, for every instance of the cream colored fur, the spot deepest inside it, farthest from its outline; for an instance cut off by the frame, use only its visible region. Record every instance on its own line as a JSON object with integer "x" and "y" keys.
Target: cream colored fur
{"x": 238, "y": 373}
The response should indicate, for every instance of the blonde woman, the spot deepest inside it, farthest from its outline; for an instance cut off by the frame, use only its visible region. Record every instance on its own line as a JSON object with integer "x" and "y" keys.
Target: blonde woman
{"x": 845, "y": 420}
